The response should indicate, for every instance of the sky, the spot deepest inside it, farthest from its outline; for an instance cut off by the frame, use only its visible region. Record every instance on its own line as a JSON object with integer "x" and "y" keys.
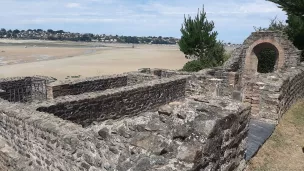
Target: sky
{"x": 234, "y": 19}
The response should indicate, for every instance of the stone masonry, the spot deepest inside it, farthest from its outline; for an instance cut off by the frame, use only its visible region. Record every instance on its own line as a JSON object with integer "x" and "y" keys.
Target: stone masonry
{"x": 24, "y": 89}
{"x": 93, "y": 84}
{"x": 150, "y": 119}
{"x": 289, "y": 55}
{"x": 192, "y": 134}
{"x": 276, "y": 92}
{"x": 255, "y": 86}
{"x": 156, "y": 120}
{"x": 113, "y": 104}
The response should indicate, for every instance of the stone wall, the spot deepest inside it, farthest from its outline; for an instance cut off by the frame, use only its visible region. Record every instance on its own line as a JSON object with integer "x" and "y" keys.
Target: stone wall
{"x": 274, "y": 93}
{"x": 211, "y": 82}
{"x": 116, "y": 103}
{"x": 245, "y": 61}
{"x": 49, "y": 143}
{"x": 281, "y": 41}
{"x": 9, "y": 86}
{"x": 137, "y": 78}
{"x": 233, "y": 63}
{"x": 193, "y": 134}
{"x": 23, "y": 89}
{"x": 92, "y": 84}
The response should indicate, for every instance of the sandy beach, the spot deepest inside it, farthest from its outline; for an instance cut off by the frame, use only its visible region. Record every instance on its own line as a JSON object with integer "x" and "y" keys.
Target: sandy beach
{"x": 62, "y": 59}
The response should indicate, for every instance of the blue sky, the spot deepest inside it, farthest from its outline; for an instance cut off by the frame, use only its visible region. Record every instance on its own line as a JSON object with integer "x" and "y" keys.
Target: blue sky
{"x": 234, "y": 19}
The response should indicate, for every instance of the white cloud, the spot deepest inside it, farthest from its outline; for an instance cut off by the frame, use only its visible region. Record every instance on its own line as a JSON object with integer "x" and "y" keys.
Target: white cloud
{"x": 73, "y": 5}
{"x": 129, "y": 15}
{"x": 71, "y": 20}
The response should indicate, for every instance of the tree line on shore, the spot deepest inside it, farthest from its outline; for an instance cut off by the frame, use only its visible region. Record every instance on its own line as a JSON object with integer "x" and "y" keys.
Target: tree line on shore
{"x": 86, "y": 37}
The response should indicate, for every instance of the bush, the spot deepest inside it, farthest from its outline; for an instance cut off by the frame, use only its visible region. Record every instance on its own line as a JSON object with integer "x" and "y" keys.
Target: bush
{"x": 192, "y": 66}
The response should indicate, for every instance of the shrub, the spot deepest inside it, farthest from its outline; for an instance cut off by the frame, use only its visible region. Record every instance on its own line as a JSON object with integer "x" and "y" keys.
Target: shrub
{"x": 194, "y": 66}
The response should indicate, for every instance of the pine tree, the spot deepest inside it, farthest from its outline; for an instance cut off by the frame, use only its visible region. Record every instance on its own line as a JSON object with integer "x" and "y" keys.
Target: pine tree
{"x": 295, "y": 7}
{"x": 295, "y": 21}
{"x": 199, "y": 40}
{"x": 295, "y": 32}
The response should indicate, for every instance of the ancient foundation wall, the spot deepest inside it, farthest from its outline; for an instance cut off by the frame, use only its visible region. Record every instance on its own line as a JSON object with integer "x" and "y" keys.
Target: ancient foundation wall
{"x": 137, "y": 78}
{"x": 273, "y": 94}
{"x": 210, "y": 135}
{"x": 93, "y": 84}
{"x": 48, "y": 142}
{"x": 63, "y": 88}
{"x": 116, "y": 103}
{"x": 211, "y": 82}
{"x": 23, "y": 89}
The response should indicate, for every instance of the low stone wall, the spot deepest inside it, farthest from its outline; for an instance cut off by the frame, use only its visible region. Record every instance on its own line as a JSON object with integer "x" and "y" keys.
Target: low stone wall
{"x": 23, "y": 89}
{"x": 137, "y": 78}
{"x": 200, "y": 134}
{"x": 11, "y": 84}
{"x": 63, "y": 88}
{"x": 274, "y": 93}
{"x": 48, "y": 142}
{"x": 211, "y": 82}
{"x": 116, "y": 103}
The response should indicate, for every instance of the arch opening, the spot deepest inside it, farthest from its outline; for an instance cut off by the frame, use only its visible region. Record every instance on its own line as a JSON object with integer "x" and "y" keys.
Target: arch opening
{"x": 267, "y": 56}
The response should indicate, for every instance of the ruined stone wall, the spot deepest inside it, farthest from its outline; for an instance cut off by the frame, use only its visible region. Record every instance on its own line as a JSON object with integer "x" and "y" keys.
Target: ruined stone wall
{"x": 9, "y": 85}
{"x": 23, "y": 89}
{"x": 274, "y": 93}
{"x": 245, "y": 62}
{"x": 290, "y": 52}
{"x": 233, "y": 63}
{"x": 137, "y": 78}
{"x": 290, "y": 55}
{"x": 210, "y": 82}
{"x": 116, "y": 103}
{"x": 48, "y": 142}
{"x": 63, "y": 88}
{"x": 200, "y": 134}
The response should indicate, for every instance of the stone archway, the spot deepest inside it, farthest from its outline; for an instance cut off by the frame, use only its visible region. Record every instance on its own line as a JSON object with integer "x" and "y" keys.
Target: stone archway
{"x": 242, "y": 61}
{"x": 250, "y": 67}
{"x": 268, "y": 56}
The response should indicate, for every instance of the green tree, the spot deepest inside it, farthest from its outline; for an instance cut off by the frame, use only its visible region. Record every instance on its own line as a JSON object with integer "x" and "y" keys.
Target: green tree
{"x": 16, "y": 31}
{"x": 293, "y": 28}
{"x": 295, "y": 7}
{"x": 295, "y": 32}
{"x": 2, "y": 32}
{"x": 275, "y": 25}
{"x": 199, "y": 39}
{"x": 50, "y": 31}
